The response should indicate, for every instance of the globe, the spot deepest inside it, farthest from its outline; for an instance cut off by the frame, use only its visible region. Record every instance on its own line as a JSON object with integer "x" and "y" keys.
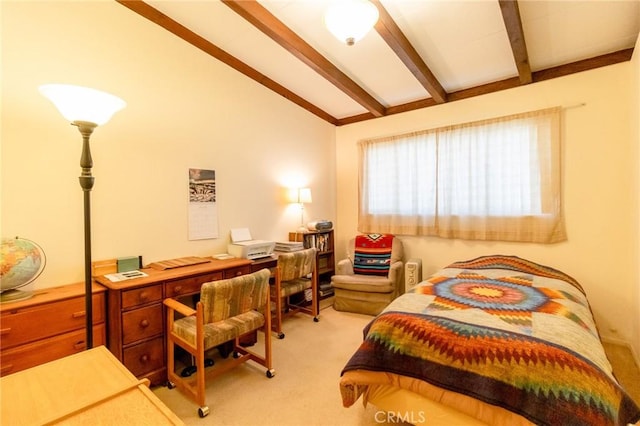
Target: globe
{"x": 21, "y": 262}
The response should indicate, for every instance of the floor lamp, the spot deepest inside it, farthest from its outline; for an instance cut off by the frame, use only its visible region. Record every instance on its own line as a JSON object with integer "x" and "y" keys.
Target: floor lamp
{"x": 86, "y": 109}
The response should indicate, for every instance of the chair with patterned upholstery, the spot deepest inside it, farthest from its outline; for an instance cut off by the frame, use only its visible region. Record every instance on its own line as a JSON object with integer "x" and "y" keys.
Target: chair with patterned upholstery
{"x": 227, "y": 310}
{"x": 371, "y": 276}
{"x": 295, "y": 273}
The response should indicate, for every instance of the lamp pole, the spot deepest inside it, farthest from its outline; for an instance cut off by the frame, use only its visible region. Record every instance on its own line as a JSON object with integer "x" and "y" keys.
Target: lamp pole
{"x": 86, "y": 182}
{"x": 86, "y": 109}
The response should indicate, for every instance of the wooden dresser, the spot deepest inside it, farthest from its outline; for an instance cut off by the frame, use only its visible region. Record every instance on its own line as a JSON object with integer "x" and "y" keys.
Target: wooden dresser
{"x": 137, "y": 316}
{"x": 48, "y": 326}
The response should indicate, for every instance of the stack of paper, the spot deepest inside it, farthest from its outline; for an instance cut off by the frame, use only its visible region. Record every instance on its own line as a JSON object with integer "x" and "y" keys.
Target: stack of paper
{"x": 287, "y": 246}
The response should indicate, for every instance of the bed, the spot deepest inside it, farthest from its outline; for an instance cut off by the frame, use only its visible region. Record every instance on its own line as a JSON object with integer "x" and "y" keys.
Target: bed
{"x": 494, "y": 340}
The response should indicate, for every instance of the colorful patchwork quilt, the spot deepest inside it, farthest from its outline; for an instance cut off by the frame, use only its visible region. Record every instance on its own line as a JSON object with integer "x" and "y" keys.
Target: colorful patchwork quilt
{"x": 503, "y": 330}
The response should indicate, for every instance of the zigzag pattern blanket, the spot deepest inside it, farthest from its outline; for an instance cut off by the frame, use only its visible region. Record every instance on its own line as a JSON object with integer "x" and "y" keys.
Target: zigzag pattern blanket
{"x": 506, "y": 331}
{"x": 372, "y": 254}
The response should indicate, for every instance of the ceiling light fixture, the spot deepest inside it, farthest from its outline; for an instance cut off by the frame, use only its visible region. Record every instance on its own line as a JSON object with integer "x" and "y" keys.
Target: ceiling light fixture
{"x": 350, "y": 20}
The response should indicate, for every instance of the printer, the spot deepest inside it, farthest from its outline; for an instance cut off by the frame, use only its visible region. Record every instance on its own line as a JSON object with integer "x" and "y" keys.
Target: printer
{"x": 242, "y": 245}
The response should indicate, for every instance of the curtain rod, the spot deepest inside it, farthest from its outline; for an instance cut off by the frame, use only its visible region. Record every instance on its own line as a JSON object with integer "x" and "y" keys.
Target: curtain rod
{"x": 575, "y": 106}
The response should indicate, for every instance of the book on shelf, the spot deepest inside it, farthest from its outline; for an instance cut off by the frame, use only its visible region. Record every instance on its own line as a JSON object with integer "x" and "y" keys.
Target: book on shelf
{"x": 325, "y": 288}
{"x": 319, "y": 240}
{"x": 327, "y": 292}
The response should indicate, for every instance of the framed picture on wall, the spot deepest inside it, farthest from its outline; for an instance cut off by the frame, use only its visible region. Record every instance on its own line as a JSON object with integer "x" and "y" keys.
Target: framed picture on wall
{"x": 203, "y": 211}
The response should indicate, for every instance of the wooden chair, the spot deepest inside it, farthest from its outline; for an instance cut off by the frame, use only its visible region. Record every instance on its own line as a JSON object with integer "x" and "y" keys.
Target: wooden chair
{"x": 227, "y": 310}
{"x": 292, "y": 277}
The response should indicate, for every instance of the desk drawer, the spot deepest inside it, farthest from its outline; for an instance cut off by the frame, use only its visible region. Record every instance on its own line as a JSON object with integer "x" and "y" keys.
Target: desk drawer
{"x": 236, "y": 272}
{"x": 38, "y": 322}
{"x": 141, "y": 296}
{"x": 190, "y": 285}
{"x": 45, "y": 350}
{"x": 145, "y": 357}
{"x": 141, "y": 324}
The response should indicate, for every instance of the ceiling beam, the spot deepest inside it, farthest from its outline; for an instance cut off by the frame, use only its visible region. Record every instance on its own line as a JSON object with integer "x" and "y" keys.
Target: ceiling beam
{"x": 157, "y": 17}
{"x": 398, "y": 42}
{"x": 172, "y": 26}
{"x": 262, "y": 19}
{"x": 513, "y": 23}
{"x": 584, "y": 65}
{"x": 510, "y": 83}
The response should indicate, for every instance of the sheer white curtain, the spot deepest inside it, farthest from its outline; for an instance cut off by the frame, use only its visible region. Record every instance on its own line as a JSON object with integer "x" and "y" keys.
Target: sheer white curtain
{"x": 494, "y": 179}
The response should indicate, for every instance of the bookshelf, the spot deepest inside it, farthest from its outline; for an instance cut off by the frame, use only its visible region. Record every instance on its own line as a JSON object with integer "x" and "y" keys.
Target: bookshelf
{"x": 325, "y": 261}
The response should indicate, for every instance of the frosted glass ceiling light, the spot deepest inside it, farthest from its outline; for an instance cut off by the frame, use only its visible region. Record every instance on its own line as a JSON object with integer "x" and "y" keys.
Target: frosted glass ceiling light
{"x": 350, "y": 20}
{"x": 86, "y": 109}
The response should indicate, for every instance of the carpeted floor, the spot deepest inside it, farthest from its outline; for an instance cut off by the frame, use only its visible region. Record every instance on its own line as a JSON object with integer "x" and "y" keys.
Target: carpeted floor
{"x": 305, "y": 389}
{"x": 624, "y": 368}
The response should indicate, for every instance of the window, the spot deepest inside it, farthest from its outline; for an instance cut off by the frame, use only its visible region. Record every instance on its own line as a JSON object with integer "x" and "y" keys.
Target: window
{"x": 495, "y": 179}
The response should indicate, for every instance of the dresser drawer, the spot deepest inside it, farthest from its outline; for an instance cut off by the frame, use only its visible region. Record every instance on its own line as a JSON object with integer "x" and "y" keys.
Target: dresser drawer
{"x": 45, "y": 350}
{"x": 141, "y": 296}
{"x": 190, "y": 285}
{"x": 236, "y": 272}
{"x": 145, "y": 357}
{"x": 26, "y": 325}
{"x": 141, "y": 324}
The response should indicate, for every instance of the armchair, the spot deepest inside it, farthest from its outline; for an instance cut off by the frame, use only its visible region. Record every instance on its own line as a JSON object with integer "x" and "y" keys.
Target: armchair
{"x": 371, "y": 276}
{"x": 227, "y": 310}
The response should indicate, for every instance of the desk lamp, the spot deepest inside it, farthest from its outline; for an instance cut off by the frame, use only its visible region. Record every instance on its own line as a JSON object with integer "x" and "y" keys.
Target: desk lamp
{"x": 86, "y": 109}
{"x": 301, "y": 196}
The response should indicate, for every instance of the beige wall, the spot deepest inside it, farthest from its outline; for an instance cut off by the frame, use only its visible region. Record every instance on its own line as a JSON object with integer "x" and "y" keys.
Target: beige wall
{"x": 599, "y": 197}
{"x": 635, "y": 122}
{"x": 184, "y": 110}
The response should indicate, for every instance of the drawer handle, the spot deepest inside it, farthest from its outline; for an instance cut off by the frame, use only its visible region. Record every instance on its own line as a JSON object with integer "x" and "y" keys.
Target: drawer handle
{"x": 238, "y": 273}
{"x": 79, "y": 345}
{"x": 5, "y": 331}
{"x": 144, "y": 358}
{"x": 177, "y": 289}
{"x": 144, "y": 323}
{"x": 144, "y": 296}
{"x": 78, "y": 314}
{"x": 6, "y": 368}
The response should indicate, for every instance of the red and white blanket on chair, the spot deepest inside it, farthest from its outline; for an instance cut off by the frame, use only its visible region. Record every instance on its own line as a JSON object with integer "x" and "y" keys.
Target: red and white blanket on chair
{"x": 372, "y": 254}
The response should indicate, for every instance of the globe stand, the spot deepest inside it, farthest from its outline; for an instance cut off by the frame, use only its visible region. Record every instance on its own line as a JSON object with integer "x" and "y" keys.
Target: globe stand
{"x": 14, "y": 296}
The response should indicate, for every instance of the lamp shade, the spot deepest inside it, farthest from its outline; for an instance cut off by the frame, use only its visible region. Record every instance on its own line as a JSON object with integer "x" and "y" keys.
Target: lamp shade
{"x": 299, "y": 195}
{"x": 77, "y": 103}
{"x": 304, "y": 195}
{"x": 350, "y": 20}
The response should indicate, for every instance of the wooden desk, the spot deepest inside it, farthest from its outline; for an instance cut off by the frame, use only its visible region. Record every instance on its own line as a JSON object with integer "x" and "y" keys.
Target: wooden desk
{"x": 270, "y": 262}
{"x": 89, "y": 387}
{"x": 136, "y": 317}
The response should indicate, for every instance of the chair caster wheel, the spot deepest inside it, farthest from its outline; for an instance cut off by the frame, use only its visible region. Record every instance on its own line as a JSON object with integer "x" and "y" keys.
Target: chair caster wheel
{"x": 170, "y": 385}
{"x": 188, "y": 371}
{"x": 271, "y": 373}
{"x": 316, "y": 319}
{"x": 280, "y": 335}
{"x": 203, "y": 411}
{"x": 208, "y": 362}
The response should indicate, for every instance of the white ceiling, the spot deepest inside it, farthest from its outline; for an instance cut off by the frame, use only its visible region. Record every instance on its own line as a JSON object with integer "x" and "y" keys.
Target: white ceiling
{"x": 465, "y": 44}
